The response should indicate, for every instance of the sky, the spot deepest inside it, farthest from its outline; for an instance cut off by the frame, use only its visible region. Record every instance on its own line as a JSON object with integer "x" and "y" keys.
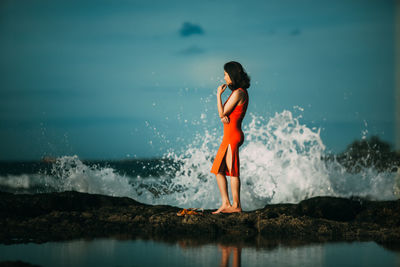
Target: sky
{"x": 131, "y": 79}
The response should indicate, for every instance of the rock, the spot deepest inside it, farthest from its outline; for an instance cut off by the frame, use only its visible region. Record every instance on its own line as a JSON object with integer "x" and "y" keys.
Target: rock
{"x": 16, "y": 264}
{"x": 70, "y": 215}
{"x": 25, "y": 205}
{"x": 331, "y": 208}
{"x": 367, "y": 153}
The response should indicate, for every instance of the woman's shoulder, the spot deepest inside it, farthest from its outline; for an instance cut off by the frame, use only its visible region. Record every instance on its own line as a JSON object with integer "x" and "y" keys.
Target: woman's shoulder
{"x": 241, "y": 92}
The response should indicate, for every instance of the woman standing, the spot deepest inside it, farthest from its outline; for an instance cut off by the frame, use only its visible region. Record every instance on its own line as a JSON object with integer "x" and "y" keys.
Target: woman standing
{"x": 226, "y": 162}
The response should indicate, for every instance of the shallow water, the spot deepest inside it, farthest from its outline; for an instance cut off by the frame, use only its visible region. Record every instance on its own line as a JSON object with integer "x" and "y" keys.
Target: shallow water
{"x": 112, "y": 252}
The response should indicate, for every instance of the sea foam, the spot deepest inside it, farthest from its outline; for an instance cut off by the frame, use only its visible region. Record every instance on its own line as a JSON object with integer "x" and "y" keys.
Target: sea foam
{"x": 281, "y": 161}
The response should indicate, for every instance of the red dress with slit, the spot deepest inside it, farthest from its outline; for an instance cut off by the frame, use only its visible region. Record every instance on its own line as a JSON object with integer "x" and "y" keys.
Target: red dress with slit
{"x": 234, "y": 137}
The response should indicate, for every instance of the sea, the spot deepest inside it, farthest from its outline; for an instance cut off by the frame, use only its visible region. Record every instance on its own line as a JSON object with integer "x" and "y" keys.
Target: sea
{"x": 281, "y": 161}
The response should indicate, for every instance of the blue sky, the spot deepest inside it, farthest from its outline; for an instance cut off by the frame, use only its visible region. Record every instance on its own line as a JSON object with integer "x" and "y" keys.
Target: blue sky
{"x": 116, "y": 79}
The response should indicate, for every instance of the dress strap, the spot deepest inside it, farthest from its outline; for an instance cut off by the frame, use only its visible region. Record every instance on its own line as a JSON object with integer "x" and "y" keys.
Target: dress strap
{"x": 244, "y": 90}
{"x": 247, "y": 95}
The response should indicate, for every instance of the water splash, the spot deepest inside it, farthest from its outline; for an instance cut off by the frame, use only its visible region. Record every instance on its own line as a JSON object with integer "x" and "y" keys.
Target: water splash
{"x": 72, "y": 174}
{"x": 282, "y": 160}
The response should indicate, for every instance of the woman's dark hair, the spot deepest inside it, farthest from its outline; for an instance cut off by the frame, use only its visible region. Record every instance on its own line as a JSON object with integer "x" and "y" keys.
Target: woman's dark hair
{"x": 238, "y": 75}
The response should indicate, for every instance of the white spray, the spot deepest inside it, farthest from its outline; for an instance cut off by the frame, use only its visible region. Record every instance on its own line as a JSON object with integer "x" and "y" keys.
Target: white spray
{"x": 281, "y": 161}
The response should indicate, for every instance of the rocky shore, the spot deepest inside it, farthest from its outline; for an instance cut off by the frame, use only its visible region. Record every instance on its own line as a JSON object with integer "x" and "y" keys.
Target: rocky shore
{"x": 72, "y": 215}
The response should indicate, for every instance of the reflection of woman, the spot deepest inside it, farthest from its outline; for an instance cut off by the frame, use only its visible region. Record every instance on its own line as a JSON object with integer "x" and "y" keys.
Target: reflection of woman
{"x": 231, "y": 113}
{"x": 226, "y": 253}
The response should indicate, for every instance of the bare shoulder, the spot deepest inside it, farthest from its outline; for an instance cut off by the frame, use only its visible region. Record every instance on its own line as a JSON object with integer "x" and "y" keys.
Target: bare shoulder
{"x": 241, "y": 95}
{"x": 238, "y": 96}
{"x": 241, "y": 92}
{"x": 238, "y": 93}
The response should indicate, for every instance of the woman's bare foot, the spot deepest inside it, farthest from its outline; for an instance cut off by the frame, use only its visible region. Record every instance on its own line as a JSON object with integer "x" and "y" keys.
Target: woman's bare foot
{"x": 232, "y": 209}
{"x": 222, "y": 208}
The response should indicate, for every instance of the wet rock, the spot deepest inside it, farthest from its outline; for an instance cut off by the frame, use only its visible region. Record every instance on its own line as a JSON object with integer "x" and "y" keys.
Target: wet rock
{"x": 370, "y": 152}
{"x": 331, "y": 208}
{"x": 16, "y": 264}
{"x": 70, "y": 215}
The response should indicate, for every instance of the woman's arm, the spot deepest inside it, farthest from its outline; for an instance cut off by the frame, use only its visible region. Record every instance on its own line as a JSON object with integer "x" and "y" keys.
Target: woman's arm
{"x": 230, "y": 104}
{"x": 225, "y": 120}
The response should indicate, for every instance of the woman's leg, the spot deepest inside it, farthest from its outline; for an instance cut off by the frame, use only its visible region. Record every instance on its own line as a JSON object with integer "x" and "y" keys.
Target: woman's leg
{"x": 237, "y": 257}
{"x": 223, "y": 189}
{"x": 225, "y": 255}
{"x": 235, "y": 185}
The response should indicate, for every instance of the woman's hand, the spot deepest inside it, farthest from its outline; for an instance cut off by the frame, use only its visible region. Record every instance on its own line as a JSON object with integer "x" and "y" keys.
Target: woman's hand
{"x": 221, "y": 89}
{"x": 225, "y": 119}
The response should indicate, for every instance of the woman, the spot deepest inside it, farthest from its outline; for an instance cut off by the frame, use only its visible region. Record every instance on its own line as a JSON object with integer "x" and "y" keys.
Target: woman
{"x": 231, "y": 113}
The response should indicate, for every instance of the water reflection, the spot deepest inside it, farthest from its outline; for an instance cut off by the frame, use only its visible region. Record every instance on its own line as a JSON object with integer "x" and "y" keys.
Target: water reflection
{"x": 226, "y": 252}
{"x": 191, "y": 253}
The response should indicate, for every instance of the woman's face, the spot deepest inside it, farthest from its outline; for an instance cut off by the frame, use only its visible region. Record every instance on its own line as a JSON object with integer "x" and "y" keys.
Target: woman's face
{"x": 227, "y": 78}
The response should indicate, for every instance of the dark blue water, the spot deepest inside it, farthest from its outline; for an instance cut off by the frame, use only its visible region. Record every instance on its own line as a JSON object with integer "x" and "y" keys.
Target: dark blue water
{"x": 111, "y": 252}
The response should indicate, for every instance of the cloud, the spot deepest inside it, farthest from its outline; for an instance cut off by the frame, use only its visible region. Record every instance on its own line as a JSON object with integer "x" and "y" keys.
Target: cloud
{"x": 190, "y": 28}
{"x": 192, "y": 50}
{"x": 296, "y": 31}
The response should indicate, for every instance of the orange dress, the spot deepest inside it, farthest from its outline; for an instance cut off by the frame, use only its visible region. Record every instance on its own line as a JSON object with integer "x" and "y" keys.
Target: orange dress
{"x": 234, "y": 137}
